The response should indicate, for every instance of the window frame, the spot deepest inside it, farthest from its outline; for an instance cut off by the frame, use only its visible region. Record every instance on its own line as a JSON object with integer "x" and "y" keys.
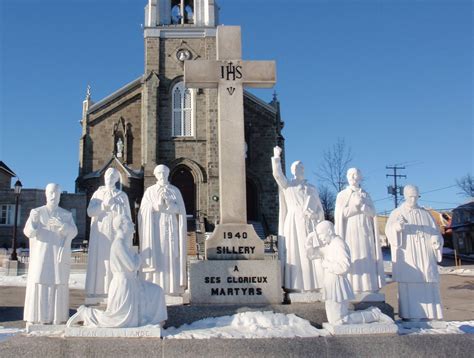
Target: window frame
{"x": 182, "y": 110}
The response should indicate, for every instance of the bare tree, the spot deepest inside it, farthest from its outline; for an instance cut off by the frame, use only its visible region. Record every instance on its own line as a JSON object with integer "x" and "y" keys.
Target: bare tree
{"x": 466, "y": 184}
{"x": 328, "y": 201}
{"x": 333, "y": 168}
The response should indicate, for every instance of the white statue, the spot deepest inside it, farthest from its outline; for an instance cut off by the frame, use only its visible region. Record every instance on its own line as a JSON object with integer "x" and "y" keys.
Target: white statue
{"x": 132, "y": 302}
{"x": 416, "y": 248}
{"x": 50, "y": 230}
{"x": 119, "y": 148}
{"x": 300, "y": 211}
{"x": 334, "y": 254}
{"x": 356, "y": 224}
{"x": 163, "y": 234}
{"x": 106, "y": 203}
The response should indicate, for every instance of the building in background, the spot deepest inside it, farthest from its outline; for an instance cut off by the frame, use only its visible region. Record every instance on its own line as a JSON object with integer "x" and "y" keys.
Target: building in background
{"x": 156, "y": 120}
{"x": 29, "y": 199}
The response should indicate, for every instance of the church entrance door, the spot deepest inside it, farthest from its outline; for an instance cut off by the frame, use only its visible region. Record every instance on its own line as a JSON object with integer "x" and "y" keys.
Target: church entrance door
{"x": 183, "y": 179}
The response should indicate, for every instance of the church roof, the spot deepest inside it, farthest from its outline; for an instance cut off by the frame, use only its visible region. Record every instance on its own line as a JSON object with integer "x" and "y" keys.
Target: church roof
{"x": 261, "y": 102}
{"x": 130, "y": 172}
{"x": 6, "y": 169}
{"x": 136, "y": 82}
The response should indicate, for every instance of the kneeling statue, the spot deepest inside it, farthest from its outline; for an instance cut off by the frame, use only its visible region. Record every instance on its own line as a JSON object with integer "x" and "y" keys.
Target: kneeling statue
{"x": 337, "y": 290}
{"x": 132, "y": 301}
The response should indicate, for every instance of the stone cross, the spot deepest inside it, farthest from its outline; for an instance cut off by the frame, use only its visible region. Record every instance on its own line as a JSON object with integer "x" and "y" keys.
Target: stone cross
{"x": 229, "y": 73}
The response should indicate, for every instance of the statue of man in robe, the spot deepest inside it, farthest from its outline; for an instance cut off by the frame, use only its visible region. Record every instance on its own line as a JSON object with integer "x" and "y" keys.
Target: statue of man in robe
{"x": 163, "y": 234}
{"x": 356, "y": 223}
{"x": 300, "y": 211}
{"x": 106, "y": 203}
{"x": 417, "y": 246}
{"x": 50, "y": 230}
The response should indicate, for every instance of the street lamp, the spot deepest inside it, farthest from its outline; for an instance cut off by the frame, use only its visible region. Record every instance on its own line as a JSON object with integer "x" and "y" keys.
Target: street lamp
{"x": 17, "y": 192}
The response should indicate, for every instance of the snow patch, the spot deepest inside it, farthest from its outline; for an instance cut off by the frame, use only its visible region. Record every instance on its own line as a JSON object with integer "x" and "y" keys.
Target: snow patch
{"x": 455, "y": 271}
{"x": 6, "y": 333}
{"x": 77, "y": 281}
{"x": 246, "y": 325}
{"x": 453, "y": 327}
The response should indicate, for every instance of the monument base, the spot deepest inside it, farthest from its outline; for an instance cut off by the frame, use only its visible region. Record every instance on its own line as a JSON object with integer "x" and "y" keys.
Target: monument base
{"x": 369, "y": 297}
{"x": 132, "y": 332}
{"x": 361, "y": 329}
{"x": 305, "y": 297}
{"x": 235, "y": 282}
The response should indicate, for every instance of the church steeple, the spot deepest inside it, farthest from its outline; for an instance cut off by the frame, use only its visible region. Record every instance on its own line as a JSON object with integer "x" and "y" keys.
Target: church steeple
{"x": 199, "y": 13}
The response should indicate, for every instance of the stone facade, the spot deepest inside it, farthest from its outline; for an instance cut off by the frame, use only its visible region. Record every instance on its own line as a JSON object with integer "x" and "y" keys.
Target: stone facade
{"x": 141, "y": 114}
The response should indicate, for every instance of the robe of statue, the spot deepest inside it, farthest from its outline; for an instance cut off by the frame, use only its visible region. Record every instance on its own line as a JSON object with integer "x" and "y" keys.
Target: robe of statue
{"x": 357, "y": 226}
{"x": 297, "y": 198}
{"x": 132, "y": 301}
{"x": 47, "y": 287}
{"x": 336, "y": 262}
{"x": 101, "y": 235}
{"x": 163, "y": 235}
{"x": 415, "y": 258}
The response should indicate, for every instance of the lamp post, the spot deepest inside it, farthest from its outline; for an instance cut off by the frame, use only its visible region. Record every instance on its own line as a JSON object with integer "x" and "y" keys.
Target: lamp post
{"x": 17, "y": 191}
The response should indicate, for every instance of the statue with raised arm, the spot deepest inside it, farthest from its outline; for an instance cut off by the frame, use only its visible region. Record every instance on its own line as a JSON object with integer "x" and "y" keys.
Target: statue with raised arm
{"x": 50, "y": 230}
{"x": 132, "y": 302}
{"x": 300, "y": 211}
{"x": 334, "y": 255}
{"x": 163, "y": 234}
{"x": 106, "y": 203}
{"x": 417, "y": 246}
{"x": 356, "y": 223}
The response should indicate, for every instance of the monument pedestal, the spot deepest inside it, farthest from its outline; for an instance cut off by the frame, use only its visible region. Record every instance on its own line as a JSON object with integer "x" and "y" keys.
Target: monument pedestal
{"x": 133, "y": 332}
{"x": 369, "y": 297}
{"x": 235, "y": 282}
{"x": 361, "y": 329}
{"x": 305, "y": 297}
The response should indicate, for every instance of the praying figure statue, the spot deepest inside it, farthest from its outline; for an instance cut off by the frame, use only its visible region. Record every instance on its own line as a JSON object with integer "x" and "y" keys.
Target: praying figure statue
{"x": 356, "y": 224}
{"x": 50, "y": 230}
{"x": 335, "y": 258}
{"x": 300, "y": 211}
{"x": 417, "y": 246}
{"x": 163, "y": 234}
{"x": 132, "y": 301}
{"x": 106, "y": 203}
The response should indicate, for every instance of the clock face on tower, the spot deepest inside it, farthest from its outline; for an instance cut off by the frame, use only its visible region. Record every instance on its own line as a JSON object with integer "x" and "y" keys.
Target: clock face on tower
{"x": 183, "y": 55}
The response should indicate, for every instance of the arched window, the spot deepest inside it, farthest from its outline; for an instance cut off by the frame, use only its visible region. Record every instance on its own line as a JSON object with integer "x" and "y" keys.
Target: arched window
{"x": 182, "y": 116}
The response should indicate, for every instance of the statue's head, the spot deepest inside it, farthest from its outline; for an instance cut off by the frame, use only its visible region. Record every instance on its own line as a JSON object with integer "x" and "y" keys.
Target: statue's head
{"x": 111, "y": 177}
{"x": 123, "y": 224}
{"x": 53, "y": 195}
{"x": 354, "y": 176}
{"x": 411, "y": 194}
{"x": 161, "y": 173}
{"x": 325, "y": 231}
{"x": 297, "y": 169}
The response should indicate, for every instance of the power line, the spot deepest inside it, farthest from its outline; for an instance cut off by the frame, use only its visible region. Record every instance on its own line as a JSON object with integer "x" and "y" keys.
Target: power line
{"x": 432, "y": 191}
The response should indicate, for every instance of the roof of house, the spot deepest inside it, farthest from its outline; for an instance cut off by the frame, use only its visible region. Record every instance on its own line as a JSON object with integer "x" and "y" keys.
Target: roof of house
{"x": 6, "y": 169}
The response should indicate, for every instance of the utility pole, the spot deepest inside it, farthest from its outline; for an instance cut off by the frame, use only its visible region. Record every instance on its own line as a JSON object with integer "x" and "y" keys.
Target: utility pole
{"x": 395, "y": 189}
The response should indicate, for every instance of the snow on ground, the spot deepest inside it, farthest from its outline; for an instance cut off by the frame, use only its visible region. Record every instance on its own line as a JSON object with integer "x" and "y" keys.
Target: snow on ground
{"x": 456, "y": 271}
{"x": 246, "y": 325}
{"x": 76, "y": 281}
{"x": 453, "y": 327}
{"x": 6, "y": 333}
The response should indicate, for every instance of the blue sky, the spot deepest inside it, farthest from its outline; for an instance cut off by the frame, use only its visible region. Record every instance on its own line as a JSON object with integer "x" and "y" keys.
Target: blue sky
{"x": 393, "y": 78}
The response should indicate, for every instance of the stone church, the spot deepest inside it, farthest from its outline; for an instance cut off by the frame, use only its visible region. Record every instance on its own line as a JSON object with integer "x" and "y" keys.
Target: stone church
{"x": 156, "y": 120}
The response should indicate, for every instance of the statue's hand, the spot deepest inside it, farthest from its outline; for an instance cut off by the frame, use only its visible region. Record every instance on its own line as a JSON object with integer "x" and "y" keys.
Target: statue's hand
{"x": 401, "y": 223}
{"x": 277, "y": 152}
{"x": 436, "y": 243}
